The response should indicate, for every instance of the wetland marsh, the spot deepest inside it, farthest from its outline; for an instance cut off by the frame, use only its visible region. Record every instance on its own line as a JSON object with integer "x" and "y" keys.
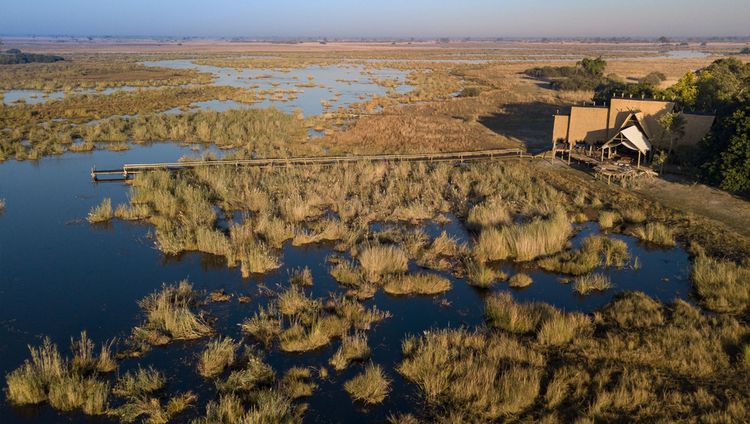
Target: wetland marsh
{"x": 516, "y": 290}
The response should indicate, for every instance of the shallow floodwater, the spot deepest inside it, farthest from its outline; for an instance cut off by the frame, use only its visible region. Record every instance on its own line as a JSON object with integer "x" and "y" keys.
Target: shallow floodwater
{"x": 338, "y": 85}
{"x": 60, "y": 275}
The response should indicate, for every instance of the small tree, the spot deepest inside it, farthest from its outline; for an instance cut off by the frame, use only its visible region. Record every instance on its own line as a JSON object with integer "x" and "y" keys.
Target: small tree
{"x": 593, "y": 67}
{"x": 672, "y": 127}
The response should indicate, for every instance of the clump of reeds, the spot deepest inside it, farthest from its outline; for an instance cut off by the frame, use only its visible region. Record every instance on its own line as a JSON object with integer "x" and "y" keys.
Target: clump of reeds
{"x": 559, "y": 328}
{"x": 134, "y": 212}
{"x": 633, "y": 215}
{"x": 370, "y": 387}
{"x": 721, "y": 285}
{"x": 151, "y": 409}
{"x": 347, "y": 274}
{"x": 634, "y": 310}
{"x": 480, "y": 377}
{"x": 265, "y": 325}
{"x": 608, "y": 219}
{"x": 266, "y": 406}
{"x": 294, "y": 301}
{"x": 254, "y": 374}
{"x": 50, "y": 377}
{"x": 588, "y": 283}
{"x": 218, "y": 355}
{"x": 656, "y": 233}
{"x": 524, "y": 242}
{"x": 297, "y": 382}
{"x": 502, "y": 312}
{"x": 84, "y": 358}
{"x": 422, "y": 284}
{"x": 480, "y": 275}
{"x": 595, "y": 251}
{"x": 302, "y": 338}
{"x": 378, "y": 260}
{"x": 169, "y": 316}
{"x": 143, "y": 382}
{"x": 491, "y": 213}
{"x": 353, "y": 348}
{"x": 101, "y": 213}
{"x": 301, "y": 277}
{"x": 520, "y": 280}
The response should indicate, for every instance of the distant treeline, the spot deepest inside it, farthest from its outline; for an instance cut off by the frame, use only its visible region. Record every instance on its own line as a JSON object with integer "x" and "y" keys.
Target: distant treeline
{"x": 15, "y": 56}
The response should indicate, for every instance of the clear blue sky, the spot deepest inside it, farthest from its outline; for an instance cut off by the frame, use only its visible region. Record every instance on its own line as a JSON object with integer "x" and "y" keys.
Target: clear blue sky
{"x": 376, "y": 18}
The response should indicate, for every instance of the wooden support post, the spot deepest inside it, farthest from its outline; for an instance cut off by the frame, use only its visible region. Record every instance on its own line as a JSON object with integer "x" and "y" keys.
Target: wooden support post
{"x": 639, "y": 160}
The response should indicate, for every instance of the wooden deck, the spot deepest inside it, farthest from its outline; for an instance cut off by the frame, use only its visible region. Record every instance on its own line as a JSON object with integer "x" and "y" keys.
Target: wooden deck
{"x": 129, "y": 170}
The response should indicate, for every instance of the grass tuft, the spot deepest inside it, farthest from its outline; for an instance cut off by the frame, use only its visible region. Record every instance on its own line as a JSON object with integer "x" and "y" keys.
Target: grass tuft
{"x": 370, "y": 387}
{"x": 353, "y": 348}
{"x": 422, "y": 284}
{"x": 520, "y": 280}
{"x": 218, "y": 355}
{"x": 722, "y": 286}
{"x": 101, "y": 213}
{"x": 378, "y": 261}
{"x": 588, "y": 283}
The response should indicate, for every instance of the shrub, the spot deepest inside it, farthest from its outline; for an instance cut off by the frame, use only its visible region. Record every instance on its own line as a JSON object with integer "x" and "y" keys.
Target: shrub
{"x": 370, "y": 387}
{"x": 470, "y": 92}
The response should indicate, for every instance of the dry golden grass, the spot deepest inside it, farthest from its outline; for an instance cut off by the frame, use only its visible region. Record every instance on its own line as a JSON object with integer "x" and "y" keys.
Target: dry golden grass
{"x": 421, "y": 284}
{"x": 218, "y": 355}
{"x": 524, "y": 242}
{"x": 378, "y": 261}
{"x": 520, "y": 280}
{"x": 722, "y": 285}
{"x": 353, "y": 348}
{"x": 588, "y": 283}
{"x": 483, "y": 377}
{"x": 370, "y": 387}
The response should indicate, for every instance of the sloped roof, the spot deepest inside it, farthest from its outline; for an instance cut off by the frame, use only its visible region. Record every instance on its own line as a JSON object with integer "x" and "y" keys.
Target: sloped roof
{"x": 635, "y": 139}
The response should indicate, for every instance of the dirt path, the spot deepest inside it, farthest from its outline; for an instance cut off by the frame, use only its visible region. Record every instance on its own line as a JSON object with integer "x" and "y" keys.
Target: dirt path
{"x": 701, "y": 200}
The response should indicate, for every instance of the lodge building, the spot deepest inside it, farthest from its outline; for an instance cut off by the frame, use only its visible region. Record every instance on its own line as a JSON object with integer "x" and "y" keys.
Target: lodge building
{"x": 630, "y": 125}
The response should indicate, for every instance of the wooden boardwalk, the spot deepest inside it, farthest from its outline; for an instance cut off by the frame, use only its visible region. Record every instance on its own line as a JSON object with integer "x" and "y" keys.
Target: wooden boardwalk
{"x": 129, "y": 170}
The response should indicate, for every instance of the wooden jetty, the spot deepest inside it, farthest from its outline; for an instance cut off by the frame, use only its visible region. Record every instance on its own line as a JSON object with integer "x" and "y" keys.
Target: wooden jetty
{"x": 129, "y": 170}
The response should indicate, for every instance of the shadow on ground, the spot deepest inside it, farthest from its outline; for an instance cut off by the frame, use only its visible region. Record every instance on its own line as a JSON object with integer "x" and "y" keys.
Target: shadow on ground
{"x": 530, "y": 123}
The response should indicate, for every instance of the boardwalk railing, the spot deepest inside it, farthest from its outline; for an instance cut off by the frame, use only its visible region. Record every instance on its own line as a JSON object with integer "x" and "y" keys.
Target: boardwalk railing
{"x": 129, "y": 170}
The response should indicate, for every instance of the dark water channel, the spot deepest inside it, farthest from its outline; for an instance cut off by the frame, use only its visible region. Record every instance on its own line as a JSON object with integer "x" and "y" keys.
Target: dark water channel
{"x": 60, "y": 275}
